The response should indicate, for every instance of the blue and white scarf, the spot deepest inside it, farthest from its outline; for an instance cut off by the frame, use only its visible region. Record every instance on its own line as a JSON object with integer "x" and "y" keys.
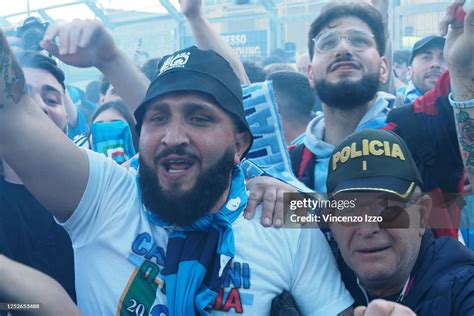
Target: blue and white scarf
{"x": 113, "y": 139}
{"x": 269, "y": 151}
{"x": 198, "y": 257}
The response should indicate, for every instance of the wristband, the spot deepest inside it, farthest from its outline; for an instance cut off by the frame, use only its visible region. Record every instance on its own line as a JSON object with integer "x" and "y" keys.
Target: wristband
{"x": 460, "y": 104}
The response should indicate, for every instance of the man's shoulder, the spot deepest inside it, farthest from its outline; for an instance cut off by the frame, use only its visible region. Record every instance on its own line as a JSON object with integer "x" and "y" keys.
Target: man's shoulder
{"x": 249, "y": 228}
{"x": 444, "y": 282}
{"x": 454, "y": 253}
{"x": 398, "y": 114}
{"x": 291, "y": 235}
{"x": 415, "y": 118}
{"x": 446, "y": 260}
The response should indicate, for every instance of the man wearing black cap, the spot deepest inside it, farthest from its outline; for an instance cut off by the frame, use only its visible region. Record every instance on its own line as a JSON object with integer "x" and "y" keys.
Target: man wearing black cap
{"x": 426, "y": 66}
{"x": 171, "y": 239}
{"x": 396, "y": 259}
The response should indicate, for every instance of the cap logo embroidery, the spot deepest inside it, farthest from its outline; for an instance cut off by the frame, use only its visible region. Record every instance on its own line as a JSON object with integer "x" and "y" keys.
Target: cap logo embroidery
{"x": 367, "y": 148}
{"x": 176, "y": 61}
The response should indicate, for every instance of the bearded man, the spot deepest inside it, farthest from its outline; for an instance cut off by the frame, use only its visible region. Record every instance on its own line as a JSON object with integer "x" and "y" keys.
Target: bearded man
{"x": 172, "y": 239}
{"x": 346, "y": 45}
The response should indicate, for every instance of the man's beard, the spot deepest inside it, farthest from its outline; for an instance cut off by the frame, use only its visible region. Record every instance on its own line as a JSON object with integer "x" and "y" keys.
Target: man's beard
{"x": 348, "y": 94}
{"x": 184, "y": 207}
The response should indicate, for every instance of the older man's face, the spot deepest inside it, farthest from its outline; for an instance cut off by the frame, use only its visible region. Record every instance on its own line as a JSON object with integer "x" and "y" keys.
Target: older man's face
{"x": 383, "y": 257}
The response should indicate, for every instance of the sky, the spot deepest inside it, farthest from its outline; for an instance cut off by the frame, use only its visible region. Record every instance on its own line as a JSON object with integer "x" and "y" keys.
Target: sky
{"x": 75, "y": 9}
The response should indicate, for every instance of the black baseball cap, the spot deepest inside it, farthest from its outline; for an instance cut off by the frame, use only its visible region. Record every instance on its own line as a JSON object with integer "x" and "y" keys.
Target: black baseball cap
{"x": 193, "y": 69}
{"x": 426, "y": 42}
{"x": 373, "y": 161}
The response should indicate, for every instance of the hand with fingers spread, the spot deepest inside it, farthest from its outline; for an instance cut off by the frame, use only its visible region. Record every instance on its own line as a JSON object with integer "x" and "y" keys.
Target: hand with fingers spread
{"x": 80, "y": 43}
{"x": 268, "y": 192}
{"x": 458, "y": 50}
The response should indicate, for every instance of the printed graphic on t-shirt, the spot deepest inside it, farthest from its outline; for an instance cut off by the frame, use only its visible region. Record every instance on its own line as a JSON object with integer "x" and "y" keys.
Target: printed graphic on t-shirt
{"x": 232, "y": 296}
{"x": 145, "y": 293}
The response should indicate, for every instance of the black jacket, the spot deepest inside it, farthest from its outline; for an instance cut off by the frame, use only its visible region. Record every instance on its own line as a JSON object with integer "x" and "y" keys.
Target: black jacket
{"x": 29, "y": 235}
{"x": 443, "y": 279}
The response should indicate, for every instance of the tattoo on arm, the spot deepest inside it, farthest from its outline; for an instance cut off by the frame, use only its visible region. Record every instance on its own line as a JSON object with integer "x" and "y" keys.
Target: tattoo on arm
{"x": 11, "y": 74}
{"x": 465, "y": 127}
{"x": 468, "y": 92}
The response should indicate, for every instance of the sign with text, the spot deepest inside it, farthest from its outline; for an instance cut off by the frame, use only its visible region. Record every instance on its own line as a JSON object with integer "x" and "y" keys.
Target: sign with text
{"x": 248, "y": 45}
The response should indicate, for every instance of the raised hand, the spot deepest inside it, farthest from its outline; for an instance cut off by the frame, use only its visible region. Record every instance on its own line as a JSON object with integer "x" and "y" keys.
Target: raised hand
{"x": 459, "y": 47}
{"x": 80, "y": 43}
{"x": 191, "y": 8}
{"x": 458, "y": 53}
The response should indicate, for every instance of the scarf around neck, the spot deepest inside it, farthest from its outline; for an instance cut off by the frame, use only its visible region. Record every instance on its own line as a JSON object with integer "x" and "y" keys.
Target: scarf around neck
{"x": 198, "y": 257}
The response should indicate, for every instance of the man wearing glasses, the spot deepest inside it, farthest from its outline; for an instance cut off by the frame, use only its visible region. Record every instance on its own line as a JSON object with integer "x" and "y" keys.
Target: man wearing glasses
{"x": 348, "y": 65}
{"x": 396, "y": 258}
{"x": 346, "y": 47}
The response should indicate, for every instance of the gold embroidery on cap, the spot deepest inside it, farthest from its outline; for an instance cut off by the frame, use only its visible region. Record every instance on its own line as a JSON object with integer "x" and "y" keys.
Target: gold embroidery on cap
{"x": 401, "y": 195}
{"x": 367, "y": 148}
{"x": 397, "y": 152}
{"x": 376, "y": 151}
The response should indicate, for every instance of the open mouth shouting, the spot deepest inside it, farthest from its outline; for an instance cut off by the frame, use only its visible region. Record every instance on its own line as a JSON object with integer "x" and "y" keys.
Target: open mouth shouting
{"x": 176, "y": 166}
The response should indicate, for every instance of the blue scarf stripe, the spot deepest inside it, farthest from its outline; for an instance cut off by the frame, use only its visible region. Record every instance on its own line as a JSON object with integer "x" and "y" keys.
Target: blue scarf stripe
{"x": 189, "y": 278}
{"x": 205, "y": 296}
{"x": 198, "y": 257}
{"x": 198, "y": 246}
{"x": 173, "y": 255}
{"x": 171, "y": 292}
{"x": 212, "y": 281}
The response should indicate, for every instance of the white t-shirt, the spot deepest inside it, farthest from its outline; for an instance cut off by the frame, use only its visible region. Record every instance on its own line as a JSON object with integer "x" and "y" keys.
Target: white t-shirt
{"x": 119, "y": 256}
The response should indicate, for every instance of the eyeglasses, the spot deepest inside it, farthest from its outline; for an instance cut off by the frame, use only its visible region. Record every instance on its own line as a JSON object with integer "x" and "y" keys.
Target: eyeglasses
{"x": 394, "y": 214}
{"x": 358, "y": 40}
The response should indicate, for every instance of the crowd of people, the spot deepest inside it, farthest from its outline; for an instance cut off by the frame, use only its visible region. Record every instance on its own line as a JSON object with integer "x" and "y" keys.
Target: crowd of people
{"x": 133, "y": 196}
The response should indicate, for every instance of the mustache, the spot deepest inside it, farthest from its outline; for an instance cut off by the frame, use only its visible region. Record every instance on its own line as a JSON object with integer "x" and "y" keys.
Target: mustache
{"x": 343, "y": 58}
{"x": 436, "y": 72}
{"x": 177, "y": 150}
